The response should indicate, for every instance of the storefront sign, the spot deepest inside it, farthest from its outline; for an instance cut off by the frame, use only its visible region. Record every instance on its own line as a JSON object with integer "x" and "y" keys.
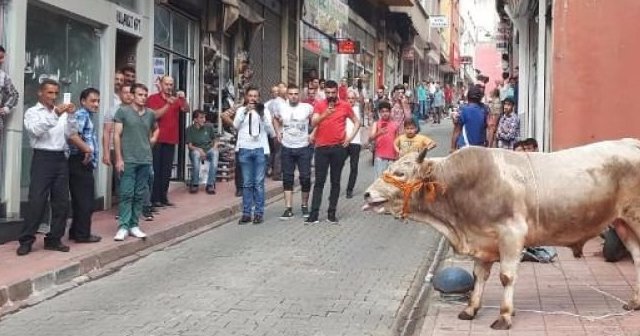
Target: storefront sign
{"x": 348, "y": 46}
{"x": 438, "y": 21}
{"x": 128, "y": 21}
{"x": 329, "y": 16}
{"x": 466, "y": 59}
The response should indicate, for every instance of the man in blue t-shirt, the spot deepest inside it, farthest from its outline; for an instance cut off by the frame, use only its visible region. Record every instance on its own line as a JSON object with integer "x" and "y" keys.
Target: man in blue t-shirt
{"x": 471, "y": 127}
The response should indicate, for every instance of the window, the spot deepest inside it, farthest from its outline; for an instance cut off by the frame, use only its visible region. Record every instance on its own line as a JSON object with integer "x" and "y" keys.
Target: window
{"x": 59, "y": 48}
{"x": 181, "y": 36}
{"x": 162, "y": 27}
{"x": 129, "y": 4}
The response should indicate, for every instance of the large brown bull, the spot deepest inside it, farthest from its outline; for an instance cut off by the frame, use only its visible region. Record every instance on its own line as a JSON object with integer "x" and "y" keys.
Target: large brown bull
{"x": 491, "y": 203}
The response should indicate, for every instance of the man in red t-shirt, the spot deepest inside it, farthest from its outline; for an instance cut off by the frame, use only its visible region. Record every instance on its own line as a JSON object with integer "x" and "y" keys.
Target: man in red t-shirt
{"x": 330, "y": 120}
{"x": 167, "y": 108}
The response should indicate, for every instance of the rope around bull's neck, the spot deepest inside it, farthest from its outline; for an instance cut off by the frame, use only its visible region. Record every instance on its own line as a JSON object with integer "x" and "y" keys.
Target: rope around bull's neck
{"x": 535, "y": 185}
{"x": 410, "y": 187}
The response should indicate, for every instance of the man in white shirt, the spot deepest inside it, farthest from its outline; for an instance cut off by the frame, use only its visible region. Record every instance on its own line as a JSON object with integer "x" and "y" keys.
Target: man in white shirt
{"x": 253, "y": 123}
{"x": 49, "y": 127}
{"x": 274, "y": 106}
{"x": 292, "y": 129}
{"x": 353, "y": 151}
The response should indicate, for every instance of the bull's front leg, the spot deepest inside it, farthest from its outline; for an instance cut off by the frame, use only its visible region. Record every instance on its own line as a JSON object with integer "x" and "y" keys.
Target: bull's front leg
{"x": 511, "y": 246}
{"x": 481, "y": 272}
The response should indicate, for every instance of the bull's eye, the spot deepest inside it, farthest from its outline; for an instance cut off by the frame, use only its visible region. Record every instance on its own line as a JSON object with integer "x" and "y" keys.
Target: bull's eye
{"x": 398, "y": 174}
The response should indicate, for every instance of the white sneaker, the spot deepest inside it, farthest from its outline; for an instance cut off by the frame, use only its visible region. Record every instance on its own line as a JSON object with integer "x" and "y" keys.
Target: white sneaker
{"x": 136, "y": 232}
{"x": 121, "y": 235}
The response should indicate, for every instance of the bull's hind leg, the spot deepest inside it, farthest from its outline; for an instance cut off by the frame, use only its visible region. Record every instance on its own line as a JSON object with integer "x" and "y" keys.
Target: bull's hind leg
{"x": 481, "y": 271}
{"x": 629, "y": 233}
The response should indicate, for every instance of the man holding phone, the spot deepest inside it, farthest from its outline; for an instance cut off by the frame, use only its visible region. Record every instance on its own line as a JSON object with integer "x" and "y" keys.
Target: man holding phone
{"x": 167, "y": 105}
{"x": 331, "y": 140}
{"x": 49, "y": 127}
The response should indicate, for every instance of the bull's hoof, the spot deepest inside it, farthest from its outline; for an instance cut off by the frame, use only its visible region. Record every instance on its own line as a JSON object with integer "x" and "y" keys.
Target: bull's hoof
{"x": 632, "y": 305}
{"x": 501, "y": 324}
{"x": 465, "y": 316}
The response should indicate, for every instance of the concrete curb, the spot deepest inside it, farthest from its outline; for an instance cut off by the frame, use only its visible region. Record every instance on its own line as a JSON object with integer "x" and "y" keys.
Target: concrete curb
{"x": 409, "y": 311}
{"x": 28, "y": 292}
{"x": 421, "y": 304}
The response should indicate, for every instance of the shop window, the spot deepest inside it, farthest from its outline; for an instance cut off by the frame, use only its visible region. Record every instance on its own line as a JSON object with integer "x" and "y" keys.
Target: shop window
{"x": 174, "y": 55}
{"x": 162, "y": 27}
{"x": 181, "y": 35}
{"x": 62, "y": 49}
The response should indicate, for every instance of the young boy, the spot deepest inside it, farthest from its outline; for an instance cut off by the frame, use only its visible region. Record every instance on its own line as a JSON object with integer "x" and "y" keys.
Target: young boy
{"x": 384, "y": 132}
{"x": 202, "y": 144}
{"x": 411, "y": 141}
{"x": 508, "y": 127}
{"x": 530, "y": 145}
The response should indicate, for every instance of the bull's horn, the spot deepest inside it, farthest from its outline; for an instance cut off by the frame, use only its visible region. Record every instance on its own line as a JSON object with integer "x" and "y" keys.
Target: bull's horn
{"x": 422, "y": 155}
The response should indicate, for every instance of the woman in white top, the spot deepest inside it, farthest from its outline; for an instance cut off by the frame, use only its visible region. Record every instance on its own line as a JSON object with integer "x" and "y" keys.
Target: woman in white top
{"x": 254, "y": 124}
{"x": 353, "y": 151}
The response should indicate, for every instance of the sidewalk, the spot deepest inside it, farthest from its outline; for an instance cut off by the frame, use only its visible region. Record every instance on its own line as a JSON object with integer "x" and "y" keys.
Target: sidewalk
{"x": 543, "y": 287}
{"x": 31, "y": 278}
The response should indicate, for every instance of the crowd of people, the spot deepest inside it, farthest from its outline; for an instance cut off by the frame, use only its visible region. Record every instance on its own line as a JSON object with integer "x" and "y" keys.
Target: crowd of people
{"x": 319, "y": 125}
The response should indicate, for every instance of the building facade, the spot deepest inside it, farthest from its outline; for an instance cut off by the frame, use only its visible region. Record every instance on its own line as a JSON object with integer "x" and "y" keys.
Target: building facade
{"x": 573, "y": 59}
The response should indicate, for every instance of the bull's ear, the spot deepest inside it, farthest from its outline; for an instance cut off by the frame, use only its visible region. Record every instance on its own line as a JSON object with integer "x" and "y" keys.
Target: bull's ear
{"x": 422, "y": 155}
{"x": 425, "y": 169}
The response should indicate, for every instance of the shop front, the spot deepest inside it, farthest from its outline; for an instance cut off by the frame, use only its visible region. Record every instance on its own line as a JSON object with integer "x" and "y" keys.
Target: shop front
{"x": 175, "y": 35}
{"x": 318, "y": 54}
{"x": 323, "y": 23}
{"x": 78, "y": 47}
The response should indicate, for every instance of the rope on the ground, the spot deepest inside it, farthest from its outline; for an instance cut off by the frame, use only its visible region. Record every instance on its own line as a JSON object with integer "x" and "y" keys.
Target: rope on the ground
{"x": 589, "y": 318}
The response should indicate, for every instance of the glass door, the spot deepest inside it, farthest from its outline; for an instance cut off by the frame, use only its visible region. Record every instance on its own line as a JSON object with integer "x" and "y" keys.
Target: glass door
{"x": 62, "y": 49}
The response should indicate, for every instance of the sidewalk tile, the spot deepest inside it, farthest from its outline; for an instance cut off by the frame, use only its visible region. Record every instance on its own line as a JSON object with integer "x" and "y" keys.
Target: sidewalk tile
{"x": 564, "y": 286}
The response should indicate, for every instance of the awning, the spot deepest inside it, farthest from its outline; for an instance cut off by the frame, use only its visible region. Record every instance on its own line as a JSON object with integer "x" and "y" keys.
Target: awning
{"x": 396, "y": 2}
{"x": 233, "y": 9}
{"x": 418, "y": 18}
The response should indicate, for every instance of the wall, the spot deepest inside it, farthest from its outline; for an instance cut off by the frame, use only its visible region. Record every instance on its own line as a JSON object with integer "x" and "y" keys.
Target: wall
{"x": 595, "y": 53}
{"x": 488, "y": 60}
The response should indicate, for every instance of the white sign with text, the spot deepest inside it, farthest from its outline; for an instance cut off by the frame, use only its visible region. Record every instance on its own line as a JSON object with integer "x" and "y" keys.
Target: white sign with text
{"x": 128, "y": 21}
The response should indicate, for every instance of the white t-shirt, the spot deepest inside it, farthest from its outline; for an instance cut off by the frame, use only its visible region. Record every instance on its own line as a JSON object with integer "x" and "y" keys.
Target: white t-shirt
{"x": 295, "y": 124}
{"x": 253, "y": 131}
{"x": 357, "y": 140}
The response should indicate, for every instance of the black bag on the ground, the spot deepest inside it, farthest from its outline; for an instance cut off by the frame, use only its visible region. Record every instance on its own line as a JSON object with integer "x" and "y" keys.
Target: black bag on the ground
{"x": 613, "y": 249}
{"x": 542, "y": 254}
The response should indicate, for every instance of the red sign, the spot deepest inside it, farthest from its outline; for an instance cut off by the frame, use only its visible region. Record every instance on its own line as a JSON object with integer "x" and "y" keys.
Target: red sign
{"x": 348, "y": 47}
{"x": 312, "y": 45}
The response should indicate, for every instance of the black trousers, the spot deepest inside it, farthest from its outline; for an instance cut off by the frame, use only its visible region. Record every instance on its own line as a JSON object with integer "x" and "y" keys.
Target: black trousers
{"x": 353, "y": 151}
{"x": 162, "y": 166}
{"x": 328, "y": 158}
{"x": 292, "y": 158}
{"x": 275, "y": 160}
{"x": 81, "y": 186}
{"x": 49, "y": 177}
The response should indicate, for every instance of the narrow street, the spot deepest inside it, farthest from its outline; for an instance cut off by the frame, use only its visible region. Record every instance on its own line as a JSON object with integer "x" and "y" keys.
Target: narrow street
{"x": 278, "y": 278}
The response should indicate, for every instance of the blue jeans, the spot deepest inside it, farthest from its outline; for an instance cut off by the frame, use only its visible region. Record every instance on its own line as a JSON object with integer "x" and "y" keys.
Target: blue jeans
{"x": 422, "y": 109}
{"x": 212, "y": 158}
{"x": 252, "y": 164}
{"x": 380, "y": 165}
